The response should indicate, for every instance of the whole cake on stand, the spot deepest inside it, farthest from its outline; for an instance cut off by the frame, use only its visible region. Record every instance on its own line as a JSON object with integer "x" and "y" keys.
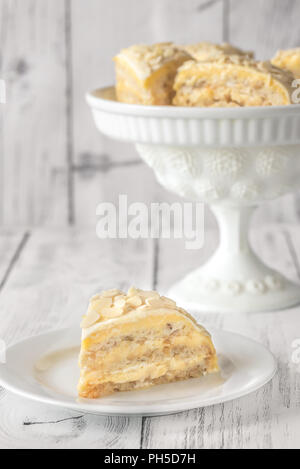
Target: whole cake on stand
{"x": 233, "y": 159}
{"x": 231, "y": 139}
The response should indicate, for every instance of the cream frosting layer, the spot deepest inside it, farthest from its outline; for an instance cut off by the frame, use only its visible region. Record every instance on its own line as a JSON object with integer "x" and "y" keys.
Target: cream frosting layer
{"x": 124, "y": 305}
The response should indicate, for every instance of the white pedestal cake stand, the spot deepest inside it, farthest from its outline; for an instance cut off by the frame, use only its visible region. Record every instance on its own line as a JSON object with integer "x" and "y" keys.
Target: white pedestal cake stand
{"x": 233, "y": 159}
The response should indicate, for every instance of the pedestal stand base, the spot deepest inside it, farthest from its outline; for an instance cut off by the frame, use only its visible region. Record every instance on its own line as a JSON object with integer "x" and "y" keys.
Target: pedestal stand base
{"x": 236, "y": 284}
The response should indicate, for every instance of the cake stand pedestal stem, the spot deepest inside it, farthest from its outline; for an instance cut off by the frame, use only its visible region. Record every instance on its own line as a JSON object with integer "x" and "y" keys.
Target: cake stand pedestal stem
{"x": 235, "y": 279}
{"x": 234, "y": 224}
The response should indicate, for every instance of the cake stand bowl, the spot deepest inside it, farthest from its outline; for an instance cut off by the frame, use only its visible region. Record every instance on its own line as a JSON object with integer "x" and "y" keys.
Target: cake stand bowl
{"x": 233, "y": 159}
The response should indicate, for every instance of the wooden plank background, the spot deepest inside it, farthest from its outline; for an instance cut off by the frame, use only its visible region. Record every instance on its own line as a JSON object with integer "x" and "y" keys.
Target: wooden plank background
{"x": 54, "y": 170}
{"x": 54, "y": 165}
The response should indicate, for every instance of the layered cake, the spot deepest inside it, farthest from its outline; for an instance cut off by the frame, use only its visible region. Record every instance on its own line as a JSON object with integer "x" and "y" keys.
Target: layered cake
{"x": 206, "y": 51}
{"x": 145, "y": 74}
{"x": 138, "y": 339}
{"x": 288, "y": 59}
{"x": 232, "y": 80}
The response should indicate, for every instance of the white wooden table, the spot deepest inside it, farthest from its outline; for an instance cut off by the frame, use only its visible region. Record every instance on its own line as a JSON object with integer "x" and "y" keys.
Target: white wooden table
{"x": 46, "y": 278}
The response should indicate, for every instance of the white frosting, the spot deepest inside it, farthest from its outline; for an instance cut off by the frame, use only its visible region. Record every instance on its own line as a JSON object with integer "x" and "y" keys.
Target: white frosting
{"x": 114, "y": 307}
{"x": 134, "y": 315}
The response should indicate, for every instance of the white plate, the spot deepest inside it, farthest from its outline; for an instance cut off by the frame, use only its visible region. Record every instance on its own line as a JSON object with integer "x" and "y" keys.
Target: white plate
{"x": 44, "y": 368}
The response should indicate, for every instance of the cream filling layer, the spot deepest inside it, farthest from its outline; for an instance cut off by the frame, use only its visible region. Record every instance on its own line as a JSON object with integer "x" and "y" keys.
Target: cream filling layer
{"x": 144, "y": 372}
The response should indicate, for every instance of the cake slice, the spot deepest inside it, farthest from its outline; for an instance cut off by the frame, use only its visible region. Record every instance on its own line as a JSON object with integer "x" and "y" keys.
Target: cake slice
{"x": 232, "y": 81}
{"x": 145, "y": 74}
{"x": 207, "y": 51}
{"x": 288, "y": 59}
{"x": 139, "y": 339}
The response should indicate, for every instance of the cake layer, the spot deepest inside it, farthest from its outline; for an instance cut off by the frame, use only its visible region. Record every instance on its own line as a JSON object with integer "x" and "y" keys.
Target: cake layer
{"x": 232, "y": 81}
{"x": 93, "y": 390}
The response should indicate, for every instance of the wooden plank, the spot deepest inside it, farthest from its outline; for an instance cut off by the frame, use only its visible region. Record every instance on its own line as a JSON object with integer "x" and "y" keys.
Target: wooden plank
{"x": 135, "y": 22}
{"x": 33, "y": 136}
{"x": 12, "y": 242}
{"x": 60, "y": 269}
{"x": 264, "y": 26}
{"x": 48, "y": 289}
{"x": 263, "y": 419}
{"x": 28, "y": 425}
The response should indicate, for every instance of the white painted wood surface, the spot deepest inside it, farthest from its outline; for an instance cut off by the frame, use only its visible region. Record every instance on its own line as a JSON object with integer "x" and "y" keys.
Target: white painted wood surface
{"x": 46, "y": 278}
{"x": 54, "y": 165}
{"x": 54, "y": 170}
{"x": 33, "y": 148}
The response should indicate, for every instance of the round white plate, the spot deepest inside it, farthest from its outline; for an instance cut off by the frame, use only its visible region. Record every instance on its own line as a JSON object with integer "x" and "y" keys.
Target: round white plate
{"x": 44, "y": 368}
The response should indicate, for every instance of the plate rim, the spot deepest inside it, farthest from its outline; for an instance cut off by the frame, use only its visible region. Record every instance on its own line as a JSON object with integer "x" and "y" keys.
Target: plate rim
{"x": 95, "y": 410}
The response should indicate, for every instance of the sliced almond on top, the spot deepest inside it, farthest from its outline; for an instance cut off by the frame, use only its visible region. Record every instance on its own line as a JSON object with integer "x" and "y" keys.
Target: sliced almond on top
{"x": 149, "y": 294}
{"x": 142, "y": 307}
{"x": 119, "y": 297}
{"x": 89, "y": 319}
{"x": 154, "y": 301}
{"x": 168, "y": 301}
{"x": 120, "y": 303}
{"x": 132, "y": 291}
{"x": 112, "y": 312}
{"x": 134, "y": 301}
{"x": 98, "y": 305}
{"x": 95, "y": 297}
{"x": 111, "y": 293}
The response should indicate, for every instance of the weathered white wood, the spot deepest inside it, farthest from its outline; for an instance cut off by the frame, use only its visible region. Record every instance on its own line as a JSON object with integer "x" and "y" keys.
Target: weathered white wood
{"x": 264, "y": 26}
{"x": 136, "y": 182}
{"x": 52, "y": 51}
{"x": 33, "y": 137}
{"x": 12, "y": 242}
{"x": 31, "y": 425}
{"x": 49, "y": 287}
{"x": 262, "y": 419}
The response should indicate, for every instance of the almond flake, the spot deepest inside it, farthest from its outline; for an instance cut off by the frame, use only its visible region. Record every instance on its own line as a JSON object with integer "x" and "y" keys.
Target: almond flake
{"x": 143, "y": 307}
{"x": 168, "y": 301}
{"x": 95, "y": 297}
{"x": 120, "y": 303}
{"x": 148, "y": 294}
{"x": 112, "y": 312}
{"x": 120, "y": 297}
{"x": 89, "y": 319}
{"x": 134, "y": 301}
{"x": 132, "y": 291}
{"x": 111, "y": 293}
{"x": 98, "y": 305}
{"x": 154, "y": 301}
